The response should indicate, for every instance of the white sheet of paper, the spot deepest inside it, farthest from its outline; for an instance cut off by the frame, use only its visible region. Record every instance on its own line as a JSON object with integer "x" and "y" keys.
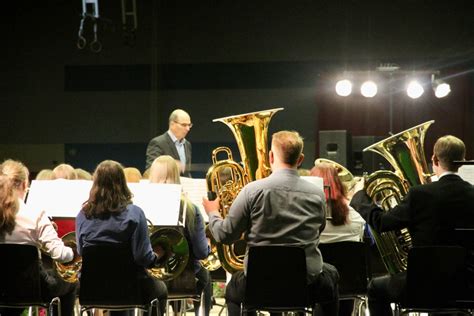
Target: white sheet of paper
{"x": 318, "y": 181}
{"x": 195, "y": 190}
{"x": 159, "y": 202}
{"x": 60, "y": 197}
{"x": 466, "y": 172}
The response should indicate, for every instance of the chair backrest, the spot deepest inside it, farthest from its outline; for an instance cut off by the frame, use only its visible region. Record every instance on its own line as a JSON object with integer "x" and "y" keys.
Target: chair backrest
{"x": 276, "y": 278}
{"x": 109, "y": 276}
{"x": 435, "y": 276}
{"x": 184, "y": 285}
{"x": 351, "y": 261}
{"x": 20, "y": 275}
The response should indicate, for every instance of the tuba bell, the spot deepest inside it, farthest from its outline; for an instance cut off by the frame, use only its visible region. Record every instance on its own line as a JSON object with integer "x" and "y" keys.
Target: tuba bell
{"x": 404, "y": 151}
{"x": 227, "y": 178}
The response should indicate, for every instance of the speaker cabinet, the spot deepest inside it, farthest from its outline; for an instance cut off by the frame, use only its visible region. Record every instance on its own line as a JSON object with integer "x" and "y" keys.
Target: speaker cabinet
{"x": 367, "y": 161}
{"x": 336, "y": 145}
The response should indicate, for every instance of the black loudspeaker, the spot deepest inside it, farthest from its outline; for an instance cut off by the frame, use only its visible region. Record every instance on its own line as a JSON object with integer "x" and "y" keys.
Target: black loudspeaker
{"x": 367, "y": 161}
{"x": 336, "y": 146}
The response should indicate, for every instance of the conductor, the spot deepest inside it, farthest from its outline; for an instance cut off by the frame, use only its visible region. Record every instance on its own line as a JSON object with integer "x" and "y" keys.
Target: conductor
{"x": 173, "y": 142}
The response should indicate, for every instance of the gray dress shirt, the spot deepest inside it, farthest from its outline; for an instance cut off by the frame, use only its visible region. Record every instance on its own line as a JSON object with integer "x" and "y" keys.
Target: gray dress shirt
{"x": 282, "y": 209}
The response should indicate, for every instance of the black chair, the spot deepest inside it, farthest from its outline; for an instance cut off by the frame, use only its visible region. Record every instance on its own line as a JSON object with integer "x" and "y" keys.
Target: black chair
{"x": 20, "y": 285}
{"x": 352, "y": 262}
{"x": 276, "y": 280}
{"x": 110, "y": 280}
{"x": 182, "y": 288}
{"x": 436, "y": 281}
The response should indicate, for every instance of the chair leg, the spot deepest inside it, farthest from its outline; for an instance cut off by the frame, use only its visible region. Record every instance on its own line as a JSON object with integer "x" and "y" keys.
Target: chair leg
{"x": 55, "y": 301}
{"x": 154, "y": 304}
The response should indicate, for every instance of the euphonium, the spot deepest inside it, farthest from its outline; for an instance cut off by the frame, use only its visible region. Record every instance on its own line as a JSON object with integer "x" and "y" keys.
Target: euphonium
{"x": 69, "y": 271}
{"x": 226, "y": 177}
{"x": 172, "y": 243}
{"x": 404, "y": 151}
{"x": 346, "y": 177}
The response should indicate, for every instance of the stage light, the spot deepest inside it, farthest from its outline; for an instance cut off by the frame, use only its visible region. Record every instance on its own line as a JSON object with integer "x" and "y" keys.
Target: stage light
{"x": 368, "y": 89}
{"x": 344, "y": 88}
{"x": 441, "y": 89}
{"x": 415, "y": 90}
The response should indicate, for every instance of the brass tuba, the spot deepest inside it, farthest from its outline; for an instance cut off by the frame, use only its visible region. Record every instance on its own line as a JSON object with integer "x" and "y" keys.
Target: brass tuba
{"x": 404, "y": 151}
{"x": 226, "y": 177}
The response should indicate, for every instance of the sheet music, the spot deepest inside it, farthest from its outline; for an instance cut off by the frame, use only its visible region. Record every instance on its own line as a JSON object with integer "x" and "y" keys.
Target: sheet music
{"x": 466, "y": 172}
{"x": 318, "y": 181}
{"x": 60, "y": 197}
{"x": 195, "y": 190}
{"x": 159, "y": 202}
{"x": 64, "y": 198}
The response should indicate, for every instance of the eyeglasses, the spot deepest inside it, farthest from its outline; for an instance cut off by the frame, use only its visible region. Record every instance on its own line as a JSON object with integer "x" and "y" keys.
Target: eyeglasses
{"x": 184, "y": 124}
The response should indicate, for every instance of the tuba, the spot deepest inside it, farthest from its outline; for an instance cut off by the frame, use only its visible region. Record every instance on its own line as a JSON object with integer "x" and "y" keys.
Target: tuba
{"x": 227, "y": 178}
{"x": 404, "y": 151}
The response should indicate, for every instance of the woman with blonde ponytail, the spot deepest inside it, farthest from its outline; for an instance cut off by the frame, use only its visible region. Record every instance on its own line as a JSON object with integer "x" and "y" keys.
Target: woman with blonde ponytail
{"x": 21, "y": 225}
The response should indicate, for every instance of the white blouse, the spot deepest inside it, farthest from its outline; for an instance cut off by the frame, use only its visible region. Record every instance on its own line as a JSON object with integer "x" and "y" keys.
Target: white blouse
{"x": 352, "y": 231}
{"x": 34, "y": 228}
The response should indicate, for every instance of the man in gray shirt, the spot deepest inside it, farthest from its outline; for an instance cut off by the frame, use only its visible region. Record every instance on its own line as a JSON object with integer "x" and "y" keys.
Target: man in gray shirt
{"x": 282, "y": 209}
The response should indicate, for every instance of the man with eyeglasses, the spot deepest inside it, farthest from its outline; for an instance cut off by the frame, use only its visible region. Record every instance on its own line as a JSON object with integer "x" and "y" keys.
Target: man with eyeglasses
{"x": 173, "y": 142}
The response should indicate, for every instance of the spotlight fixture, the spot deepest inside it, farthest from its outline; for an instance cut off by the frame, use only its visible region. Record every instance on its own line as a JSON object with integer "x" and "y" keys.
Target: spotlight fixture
{"x": 440, "y": 88}
{"x": 415, "y": 89}
{"x": 368, "y": 89}
{"x": 344, "y": 88}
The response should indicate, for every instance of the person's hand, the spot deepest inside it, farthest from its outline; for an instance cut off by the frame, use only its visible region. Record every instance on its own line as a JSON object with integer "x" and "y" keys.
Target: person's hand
{"x": 159, "y": 251}
{"x": 211, "y": 206}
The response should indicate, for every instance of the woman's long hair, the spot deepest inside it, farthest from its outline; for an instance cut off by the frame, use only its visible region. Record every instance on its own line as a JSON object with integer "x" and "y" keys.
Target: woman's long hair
{"x": 109, "y": 193}
{"x": 166, "y": 170}
{"x": 338, "y": 197}
{"x": 8, "y": 205}
{"x": 13, "y": 175}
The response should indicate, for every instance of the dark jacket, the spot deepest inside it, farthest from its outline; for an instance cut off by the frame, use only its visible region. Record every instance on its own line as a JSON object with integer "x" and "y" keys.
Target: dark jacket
{"x": 163, "y": 145}
{"x": 430, "y": 211}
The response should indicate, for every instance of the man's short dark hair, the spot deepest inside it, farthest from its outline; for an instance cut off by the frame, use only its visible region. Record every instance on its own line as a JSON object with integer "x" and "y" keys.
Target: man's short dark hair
{"x": 289, "y": 146}
{"x": 449, "y": 149}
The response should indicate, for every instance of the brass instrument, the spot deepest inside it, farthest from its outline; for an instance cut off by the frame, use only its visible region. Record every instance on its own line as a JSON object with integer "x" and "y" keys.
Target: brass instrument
{"x": 212, "y": 262}
{"x": 346, "y": 177}
{"x": 69, "y": 271}
{"x": 171, "y": 243}
{"x": 404, "y": 151}
{"x": 226, "y": 177}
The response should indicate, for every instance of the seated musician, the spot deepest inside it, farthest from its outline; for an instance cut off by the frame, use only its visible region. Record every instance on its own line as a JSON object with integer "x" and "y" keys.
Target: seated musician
{"x": 109, "y": 216}
{"x": 282, "y": 209}
{"x": 20, "y": 225}
{"x": 132, "y": 174}
{"x": 165, "y": 170}
{"x": 430, "y": 212}
{"x": 344, "y": 223}
{"x": 67, "y": 172}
